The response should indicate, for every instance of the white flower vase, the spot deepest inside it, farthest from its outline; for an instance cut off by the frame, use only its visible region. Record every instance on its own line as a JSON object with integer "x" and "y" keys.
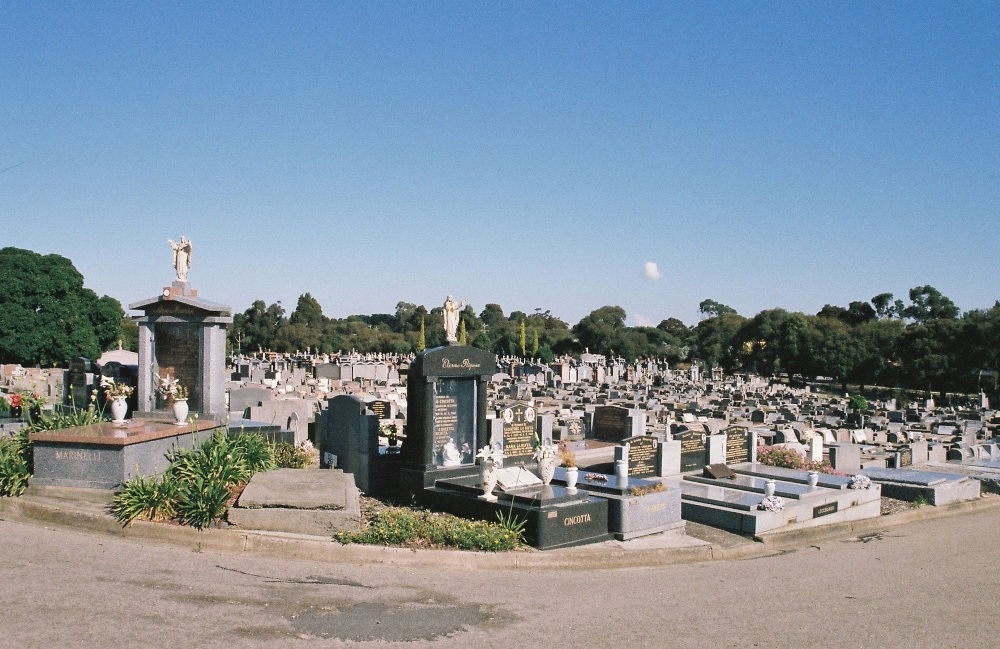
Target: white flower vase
{"x": 546, "y": 469}
{"x": 813, "y": 479}
{"x": 119, "y": 408}
{"x": 769, "y": 487}
{"x": 180, "y": 408}
{"x": 572, "y": 475}
{"x": 488, "y": 480}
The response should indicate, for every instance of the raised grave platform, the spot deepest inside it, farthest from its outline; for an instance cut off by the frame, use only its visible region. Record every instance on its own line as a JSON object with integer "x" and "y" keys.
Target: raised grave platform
{"x": 556, "y": 517}
{"x": 732, "y": 504}
{"x": 635, "y": 507}
{"x": 106, "y": 455}
{"x": 936, "y": 488}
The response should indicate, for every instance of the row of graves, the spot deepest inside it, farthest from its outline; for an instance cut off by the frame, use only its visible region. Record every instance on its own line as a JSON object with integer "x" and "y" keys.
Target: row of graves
{"x": 647, "y": 461}
{"x": 284, "y": 395}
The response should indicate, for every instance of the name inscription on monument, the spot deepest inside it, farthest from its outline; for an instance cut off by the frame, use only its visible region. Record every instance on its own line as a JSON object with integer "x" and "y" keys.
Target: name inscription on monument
{"x": 642, "y": 453}
{"x": 454, "y": 421}
{"x": 737, "y": 445}
{"x": 78, "y": 455}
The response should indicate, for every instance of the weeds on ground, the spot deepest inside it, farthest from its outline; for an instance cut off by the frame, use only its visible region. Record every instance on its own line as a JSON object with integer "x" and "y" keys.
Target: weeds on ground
{"x": 407, "y": 527}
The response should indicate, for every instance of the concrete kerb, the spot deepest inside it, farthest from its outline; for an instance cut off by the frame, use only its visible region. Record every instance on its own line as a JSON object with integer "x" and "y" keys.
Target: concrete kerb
{"x": 314, "y": 548}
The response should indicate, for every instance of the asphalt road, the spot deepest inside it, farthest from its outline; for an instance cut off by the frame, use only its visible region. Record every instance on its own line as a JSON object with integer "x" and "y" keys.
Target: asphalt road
{"x": 928, "y": 584}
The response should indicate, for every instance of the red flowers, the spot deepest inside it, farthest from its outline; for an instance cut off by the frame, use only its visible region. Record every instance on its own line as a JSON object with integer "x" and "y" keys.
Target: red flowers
{"x": 15, "y": 400}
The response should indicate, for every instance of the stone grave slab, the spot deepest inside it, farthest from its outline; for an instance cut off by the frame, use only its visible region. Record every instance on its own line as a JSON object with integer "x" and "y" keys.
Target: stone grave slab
{"x": 934, "y": 488}
{"x": 638, "y": 507}
{"x": 299, "y": 501}
{"x": 105, "y": 456}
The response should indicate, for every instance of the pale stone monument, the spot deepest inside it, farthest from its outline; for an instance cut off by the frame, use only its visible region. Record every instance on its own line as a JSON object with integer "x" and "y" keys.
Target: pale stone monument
{"x": 451, "y": 311}
{"x": 182, "y": 257}
{"x": 183, "y": 337}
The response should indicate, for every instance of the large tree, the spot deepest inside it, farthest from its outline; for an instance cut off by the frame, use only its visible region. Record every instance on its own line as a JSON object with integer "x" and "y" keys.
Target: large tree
{"x": 47, "y": 317}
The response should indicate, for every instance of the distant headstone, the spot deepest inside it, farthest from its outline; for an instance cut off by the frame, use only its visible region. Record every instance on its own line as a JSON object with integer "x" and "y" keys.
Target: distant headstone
{"x": 610, "y": 423}
{"x": 737, "y": 445}
{"x": 380, "y": 408}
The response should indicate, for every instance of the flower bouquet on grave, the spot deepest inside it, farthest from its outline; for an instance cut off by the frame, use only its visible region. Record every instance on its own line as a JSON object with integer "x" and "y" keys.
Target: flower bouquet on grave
{"x": 114, "y": 390}
{"x": 170, "y": 388}
{"x": 491, "y": 461}
{"x": 860, "y": 481}
{"x": 771, "y": 504}
{"x": 15, "y": 405}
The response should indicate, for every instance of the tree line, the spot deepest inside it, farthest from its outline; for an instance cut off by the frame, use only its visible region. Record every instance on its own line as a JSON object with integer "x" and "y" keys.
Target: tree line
{"x": 48, "y": 317}
{"x": 925, "y": 344}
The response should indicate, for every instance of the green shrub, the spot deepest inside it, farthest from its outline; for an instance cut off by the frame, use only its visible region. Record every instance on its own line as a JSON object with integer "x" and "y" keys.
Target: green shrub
{"x": 202, "y": 502}
{"x": 15, "y": 464}
{"x": 198, "y": 483}
{"x": 290, "y": 456}
{"x": 146, "y": 499}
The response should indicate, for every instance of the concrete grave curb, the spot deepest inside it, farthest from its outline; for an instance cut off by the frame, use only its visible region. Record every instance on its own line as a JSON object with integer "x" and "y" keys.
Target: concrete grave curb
{"x": 658, "y": 550}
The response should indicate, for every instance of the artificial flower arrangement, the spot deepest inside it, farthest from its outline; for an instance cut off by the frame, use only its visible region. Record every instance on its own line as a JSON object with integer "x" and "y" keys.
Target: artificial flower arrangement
{"x": 490, "y": 454}
{"x": 170, "y": 388}
{"x": 114, "y": 390}
{"x": 546, "y": 451}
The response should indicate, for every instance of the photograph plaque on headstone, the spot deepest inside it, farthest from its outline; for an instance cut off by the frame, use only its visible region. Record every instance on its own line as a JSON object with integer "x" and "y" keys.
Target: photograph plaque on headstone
{"x": 454, "y": 421}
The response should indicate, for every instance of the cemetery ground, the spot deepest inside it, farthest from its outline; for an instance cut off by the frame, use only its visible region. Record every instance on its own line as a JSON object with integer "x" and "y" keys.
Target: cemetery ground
{"x": 929, "y": 583}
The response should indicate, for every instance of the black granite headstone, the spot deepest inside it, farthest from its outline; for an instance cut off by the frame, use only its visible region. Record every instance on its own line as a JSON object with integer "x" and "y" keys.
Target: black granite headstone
{"x": 737, "y": 445}
{"x": 693, "y": 449}
{"x": 380, "y": 408}
{"x": 643, "y": 456}
{"x": 446, "y": 415}
{"x": 518, "y": 433}
{"x": 610, "y": 423}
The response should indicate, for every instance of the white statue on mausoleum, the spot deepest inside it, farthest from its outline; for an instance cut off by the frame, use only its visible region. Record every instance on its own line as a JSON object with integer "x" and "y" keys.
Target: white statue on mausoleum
{"x": 451, "y": 311}
{"x": 182, "y": 257}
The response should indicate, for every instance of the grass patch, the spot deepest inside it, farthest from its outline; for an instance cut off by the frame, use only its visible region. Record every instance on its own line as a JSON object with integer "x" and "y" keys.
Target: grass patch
{"x": 391, "y": 525}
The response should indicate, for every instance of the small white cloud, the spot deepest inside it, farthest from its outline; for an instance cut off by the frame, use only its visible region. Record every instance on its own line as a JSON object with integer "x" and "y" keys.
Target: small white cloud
{"x": 642, "y": 321}
{"x": 651, "y": 270}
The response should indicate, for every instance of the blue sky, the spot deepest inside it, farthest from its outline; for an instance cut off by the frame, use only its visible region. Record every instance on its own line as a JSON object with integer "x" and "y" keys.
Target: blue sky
{"x": 532, "y": 154}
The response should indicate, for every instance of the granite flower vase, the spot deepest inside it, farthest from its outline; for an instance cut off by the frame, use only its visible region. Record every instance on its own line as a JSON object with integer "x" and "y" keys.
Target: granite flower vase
{"x": 180, "y": 409}
{"x": 488, "y": 479}
{"x": 546, "y": 469}
{"x": 119, "y": 408}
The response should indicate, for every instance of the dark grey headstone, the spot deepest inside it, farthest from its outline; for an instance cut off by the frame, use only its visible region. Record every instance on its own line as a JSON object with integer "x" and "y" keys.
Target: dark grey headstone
{"x": 643, "y": 456}
{"x": 611, "y": 423}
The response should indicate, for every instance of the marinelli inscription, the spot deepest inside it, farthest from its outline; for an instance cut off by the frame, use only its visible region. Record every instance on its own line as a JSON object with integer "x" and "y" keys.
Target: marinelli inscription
{"x": 78, "y": 455}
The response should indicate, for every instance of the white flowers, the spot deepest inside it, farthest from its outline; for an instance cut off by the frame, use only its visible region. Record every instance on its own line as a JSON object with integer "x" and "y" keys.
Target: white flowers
{"x": 490, "y": 454}
{"x": 772, "y": 504}
{"x": 170, "y": 388}
{"x": 114, "y": 390}
{"x": 545, "y": 451}
{"x": 860, "y": 481}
